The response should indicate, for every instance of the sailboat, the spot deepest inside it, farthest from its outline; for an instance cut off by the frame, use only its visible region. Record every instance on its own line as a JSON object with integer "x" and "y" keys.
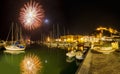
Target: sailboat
{"x": 15, "y": 46}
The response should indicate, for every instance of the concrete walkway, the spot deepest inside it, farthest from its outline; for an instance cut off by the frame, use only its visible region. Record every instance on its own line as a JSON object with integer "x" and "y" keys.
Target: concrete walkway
{"x": 105, "y": 63}
{"x": 84, "y": 68}
{"x": 97, "y": 63}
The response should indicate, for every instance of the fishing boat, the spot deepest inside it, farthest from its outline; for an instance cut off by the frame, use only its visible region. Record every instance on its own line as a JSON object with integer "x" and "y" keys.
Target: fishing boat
{"x": 79, "y": 55}
{"x": 105, "y": 50}
{"x": 15, "y": 45}
{"x": 71, "y": 54}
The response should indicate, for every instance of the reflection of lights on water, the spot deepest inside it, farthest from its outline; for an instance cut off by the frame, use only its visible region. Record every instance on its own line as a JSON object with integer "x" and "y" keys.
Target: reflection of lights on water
{"x": 46, "y": 61}
{"x": 30, "y": 65}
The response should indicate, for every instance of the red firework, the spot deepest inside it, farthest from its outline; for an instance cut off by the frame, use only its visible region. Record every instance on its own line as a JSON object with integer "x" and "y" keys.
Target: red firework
{"x": 31, "y": 15}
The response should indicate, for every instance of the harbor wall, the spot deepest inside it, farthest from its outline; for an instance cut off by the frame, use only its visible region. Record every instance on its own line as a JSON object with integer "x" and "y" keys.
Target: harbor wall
{"x": 85, "y": 67}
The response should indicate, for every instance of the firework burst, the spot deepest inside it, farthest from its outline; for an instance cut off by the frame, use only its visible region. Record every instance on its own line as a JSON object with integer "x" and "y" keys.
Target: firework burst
{"x": 30, "y": 65}
{"x": 31, "y": 15}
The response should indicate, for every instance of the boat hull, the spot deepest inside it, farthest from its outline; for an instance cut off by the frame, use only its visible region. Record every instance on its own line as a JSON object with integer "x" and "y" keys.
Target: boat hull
{"x": 14, "y": 48}
{"x": 79, "y": 55}
{"x": 70, "y": 54}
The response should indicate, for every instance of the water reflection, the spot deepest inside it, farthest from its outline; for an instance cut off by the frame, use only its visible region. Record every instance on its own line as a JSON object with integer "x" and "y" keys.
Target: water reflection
{"x": 30, "y": 64}
{"x": 69, "y": 60}
{"x": 53, "y": 61}
{"x": 13, "y": 52}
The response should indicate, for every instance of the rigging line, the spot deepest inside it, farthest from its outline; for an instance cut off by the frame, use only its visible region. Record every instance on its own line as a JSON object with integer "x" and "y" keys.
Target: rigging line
{"x": 8, "y": 33}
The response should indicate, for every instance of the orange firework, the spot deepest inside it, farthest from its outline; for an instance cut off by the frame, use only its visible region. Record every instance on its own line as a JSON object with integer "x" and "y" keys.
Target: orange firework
{"x": 31, "y": 15}
{"x": 30, "y": 65}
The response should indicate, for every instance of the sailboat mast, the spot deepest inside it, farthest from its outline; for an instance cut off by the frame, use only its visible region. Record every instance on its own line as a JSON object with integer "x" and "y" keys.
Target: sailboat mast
{"x": 64, "y": 30}
{"x": 12, "y": 33}
{"x": 20, "y": 34}
{"x": 53, "y": 31}
{"x": 16, "y": 32}
{"x": 58, "y": 33}
{"x": 8, "y": 34}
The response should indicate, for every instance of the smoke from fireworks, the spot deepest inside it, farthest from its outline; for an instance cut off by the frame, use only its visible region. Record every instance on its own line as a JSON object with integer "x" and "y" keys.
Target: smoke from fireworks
{"x": 30, "y": 65}
{"x": 31, "y": 15}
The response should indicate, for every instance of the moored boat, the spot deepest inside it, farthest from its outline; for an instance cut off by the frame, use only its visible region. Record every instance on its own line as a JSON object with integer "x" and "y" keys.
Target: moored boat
{"x": 15, "y": 45}
{"x": 79, "y": 55}
{"x": 71, "y": 54}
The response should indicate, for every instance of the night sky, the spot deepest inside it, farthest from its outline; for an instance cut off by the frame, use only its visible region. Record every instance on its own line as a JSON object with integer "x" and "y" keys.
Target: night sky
{"x": 77, "y": 17}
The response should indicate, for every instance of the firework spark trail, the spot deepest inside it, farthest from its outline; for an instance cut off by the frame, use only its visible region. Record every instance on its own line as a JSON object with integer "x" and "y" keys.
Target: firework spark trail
{"x": 30, "y": 65}
{"x": 31, "y": 15}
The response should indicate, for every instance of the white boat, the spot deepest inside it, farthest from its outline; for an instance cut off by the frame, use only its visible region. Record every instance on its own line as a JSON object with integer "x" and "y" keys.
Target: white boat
{"x": 79, "y": 55}
{"x": 71, "y": 54}
{"x": 15, "y": 46}
{"x": 105, "y": 50}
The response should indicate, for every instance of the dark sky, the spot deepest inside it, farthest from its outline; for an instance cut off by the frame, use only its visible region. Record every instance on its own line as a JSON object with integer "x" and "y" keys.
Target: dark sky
{"x": 77, "y": 17}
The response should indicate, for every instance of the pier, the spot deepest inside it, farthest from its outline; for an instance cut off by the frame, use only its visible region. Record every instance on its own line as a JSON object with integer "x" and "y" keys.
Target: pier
{"x": 97, "y": 63}
{"x": 85, "y": 67}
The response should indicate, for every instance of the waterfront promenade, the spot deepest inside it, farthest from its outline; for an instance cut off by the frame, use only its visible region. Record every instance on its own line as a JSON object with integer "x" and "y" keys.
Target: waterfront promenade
{"x": 97, "y": 63}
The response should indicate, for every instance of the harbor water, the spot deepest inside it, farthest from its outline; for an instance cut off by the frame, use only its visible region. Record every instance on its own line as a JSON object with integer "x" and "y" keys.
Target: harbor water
{"x": 53, "y": 61}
